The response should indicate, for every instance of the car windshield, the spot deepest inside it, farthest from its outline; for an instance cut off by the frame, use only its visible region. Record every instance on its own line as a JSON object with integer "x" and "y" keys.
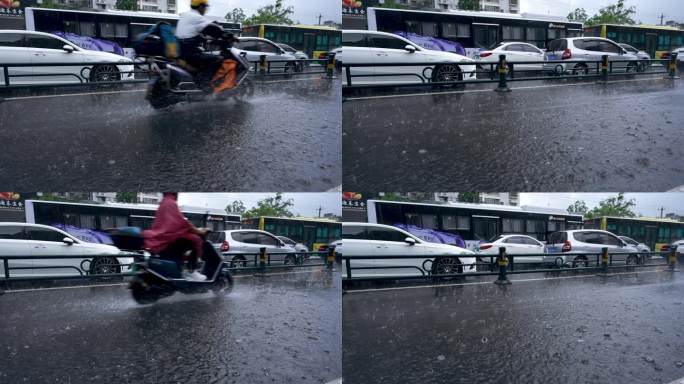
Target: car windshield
{"x": 495, "y": 238}
{"x": 495, "y": 46}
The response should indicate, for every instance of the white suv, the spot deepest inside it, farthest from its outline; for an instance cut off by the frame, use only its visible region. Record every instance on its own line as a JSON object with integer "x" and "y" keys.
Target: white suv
{"x": 374, "y": 47}
{"x": 17, "y": 46}
{"x": 591, "y": 50}
{"x": 416, "y": 255}
{"x": 591, "y": 241}
{"x": 35, "y": 240}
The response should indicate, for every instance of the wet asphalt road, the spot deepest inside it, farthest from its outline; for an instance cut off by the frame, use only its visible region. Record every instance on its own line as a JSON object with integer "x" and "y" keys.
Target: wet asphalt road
{"x": 572, "y": 136}
{"x": 286, "y": 137}
{"x": 274, "y": 329}
{"x": 592, "y": 329}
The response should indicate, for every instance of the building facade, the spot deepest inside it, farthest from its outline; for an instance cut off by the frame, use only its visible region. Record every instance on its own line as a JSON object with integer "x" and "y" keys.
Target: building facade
{"x": 162, "y": 6}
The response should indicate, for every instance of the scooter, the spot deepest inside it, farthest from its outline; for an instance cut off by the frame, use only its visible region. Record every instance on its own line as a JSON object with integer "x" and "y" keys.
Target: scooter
{"x": 159, "y": 276}
{"x": 174, "y": 81}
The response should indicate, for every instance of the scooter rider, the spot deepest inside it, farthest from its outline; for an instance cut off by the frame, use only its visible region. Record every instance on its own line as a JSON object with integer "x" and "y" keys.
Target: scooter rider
{"x": 173, "y": 233}
{"x": 190, "y": 31}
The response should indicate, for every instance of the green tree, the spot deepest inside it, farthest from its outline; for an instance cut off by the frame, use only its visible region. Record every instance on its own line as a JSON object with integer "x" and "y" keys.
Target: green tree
{"x": 579, "y": 14}
{"x": 237, "y": 15}
{"x": 272, "y": 14}
{"x": 614, "y": 14}
{"x": 469, "y": 5}
{"x": 613, "y": 206}
{"x": 126, "y": 197}
{"x": 578, "y": 206}
{"x": 127, "y": 5}
{"x": 237, "y": 207}
{"x": 271, "y": 206}
{"x": 469, "y": 197}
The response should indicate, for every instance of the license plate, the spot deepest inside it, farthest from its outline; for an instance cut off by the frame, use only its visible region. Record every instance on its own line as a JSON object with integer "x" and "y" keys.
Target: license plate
{"x": 551, "y": 57}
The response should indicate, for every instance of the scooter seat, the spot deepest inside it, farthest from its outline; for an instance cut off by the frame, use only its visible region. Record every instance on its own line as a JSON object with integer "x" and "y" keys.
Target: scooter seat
{"x": 166, "y": 268}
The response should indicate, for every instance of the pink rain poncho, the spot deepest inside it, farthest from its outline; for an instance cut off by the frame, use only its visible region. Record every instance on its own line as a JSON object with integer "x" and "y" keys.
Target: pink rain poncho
{"x": 169, "y": 226}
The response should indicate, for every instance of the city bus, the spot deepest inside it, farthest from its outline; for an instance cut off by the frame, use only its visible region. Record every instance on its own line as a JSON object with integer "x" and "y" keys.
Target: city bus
{"x": 89, "y": 221}
{"x": 120, "y": 27}
{"x": 311, "y": 232}
{"x": 653, "y": 232}
{"x": 312, "y": 40}
{"x": 472, "y": 223}
{"x": 655, "y": 40}
{"x": 473, "y": 30}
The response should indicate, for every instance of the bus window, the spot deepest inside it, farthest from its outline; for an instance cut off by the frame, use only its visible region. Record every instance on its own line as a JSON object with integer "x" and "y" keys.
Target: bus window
{"x": 86, "y": 28}
{"x": 663, "y": 42}
{"x": 110, "y": 221}
{"x": 322, "y": 42}
{"x": 663, "y": 235}
{"x": 322, "y": 233}
{"x": 512, "y": 225}
{"x": 612, "y": 35}
{"x": 512, "y": 33}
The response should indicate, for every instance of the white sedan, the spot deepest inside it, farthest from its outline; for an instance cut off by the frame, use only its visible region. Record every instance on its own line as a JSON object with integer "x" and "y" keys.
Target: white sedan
{"x": 515, "y": 52}
{"x": 378, "y": 48}
{"x": 30, "y": 47}
{"x": 414, "y": 256}
{"x": 35, "y": 241}
{"x": 515, "y": 245}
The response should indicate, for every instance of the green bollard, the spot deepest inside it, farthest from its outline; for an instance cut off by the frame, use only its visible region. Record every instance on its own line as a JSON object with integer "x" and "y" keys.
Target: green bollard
{"x": 330, "y": 259}
{"x": 502, "y": 261}
{"x": 604, "y": 259}
{"x": 331, "y": 65}
{"x": 262, "y": 64}
{"x": 503, "y": 71}
{"x": 673, "y": 66}
{"x": 672, "y": 267}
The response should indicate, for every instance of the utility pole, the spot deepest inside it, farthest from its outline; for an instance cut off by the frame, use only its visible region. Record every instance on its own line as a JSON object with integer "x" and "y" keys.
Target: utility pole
{"x": 661, "y": 212}
{"x": 662, "y": 16}
{"x": 319, "y": 210}
{"x": 320, "y": 16}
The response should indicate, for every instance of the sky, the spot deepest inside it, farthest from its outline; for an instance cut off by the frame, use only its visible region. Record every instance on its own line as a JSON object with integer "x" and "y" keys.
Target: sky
{"x": 305, "y": 204}
{"x": 648, "y": 11}
{"x": 305, "y": 11}
{"x": 647, "y": 204}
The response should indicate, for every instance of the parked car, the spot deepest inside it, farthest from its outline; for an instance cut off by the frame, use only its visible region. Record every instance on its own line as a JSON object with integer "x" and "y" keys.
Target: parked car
{"x": 255, "y": 47}
{"x": 589, "y": 241}
{"x": 641, "y": 247}
{"x": 239, "y": 246}
{"x": 374, "y": 47}
{"x": 590, "y": 49}
{"x": 515, "y": 245}
{"x": 18, "y": 46}
{"x": 365, "y": 239}
{"x": 299, "y": 247}
{"x": 35, "y": 240}
{"x": 678, "y": 51}
{"x": 678, "y": 246}
{"x": 515, "y": 52}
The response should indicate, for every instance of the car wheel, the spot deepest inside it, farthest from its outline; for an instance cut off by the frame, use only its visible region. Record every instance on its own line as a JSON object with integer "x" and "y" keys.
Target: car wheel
{"x": 447, "y": 73}
{"x": 580, "y": 262}
{"x": 632, "y": 67}
{"x": 447, "y": 266}
{"x": 291, "y": 67}
{"x": 290, "y": 260}
{"x": 580, "y": 69}
{"x": 632, "y": 260}
{"x": 104, "y": 73}
{"x": 104, "y": 266}
{"x": 238, "y": 262}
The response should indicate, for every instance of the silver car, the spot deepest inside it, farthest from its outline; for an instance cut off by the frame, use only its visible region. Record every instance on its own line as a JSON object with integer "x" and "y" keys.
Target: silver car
{"x": 299, "y": 247}
{"x": 254, "y": 47}
{"x": 591, "y": 50}
{"x": 239, "y": 246}
{"x": 589, "y": 241}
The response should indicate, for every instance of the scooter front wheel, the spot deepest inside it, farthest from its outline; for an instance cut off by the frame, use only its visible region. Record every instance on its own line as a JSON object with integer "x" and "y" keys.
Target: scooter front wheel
{"x": 158, "y": 95}
{"x": 142, "y": 294}
{"x": 223, "y": 284}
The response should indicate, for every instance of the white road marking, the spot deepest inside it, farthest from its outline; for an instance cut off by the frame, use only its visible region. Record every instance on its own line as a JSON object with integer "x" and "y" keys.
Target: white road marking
{"x": 70, "y": 95}
{"x": 491, "y": 282}
{"x": 489, "y": 90}
{"x": 336, "y": 381}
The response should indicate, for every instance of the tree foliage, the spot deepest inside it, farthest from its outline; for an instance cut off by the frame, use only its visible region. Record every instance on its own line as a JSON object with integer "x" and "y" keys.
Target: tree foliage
{"x": 126, "y": 197}
{"x": 469, "y": 197}
{"x": 614, "y": 206}
{"x": 272, "y": 14}
{"x": 579, "y": 14}
{"x": 236, "y": 207}
{"x": 614, "y": 14}
{"x": 271, "y": 206}
{"x": 579, "y": 207}
{"x": 237, "y": 15}
{"x": 469, "y": 5}
{"x": 127, "y": 5}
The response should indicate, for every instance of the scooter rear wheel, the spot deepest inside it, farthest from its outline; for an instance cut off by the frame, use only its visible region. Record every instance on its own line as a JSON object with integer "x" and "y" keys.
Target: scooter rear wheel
{"x": 143, "y": 295}
{"x": 158, "y": 96}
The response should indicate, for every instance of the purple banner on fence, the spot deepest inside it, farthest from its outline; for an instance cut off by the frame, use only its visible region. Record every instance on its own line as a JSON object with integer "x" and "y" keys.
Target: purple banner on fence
{"x": 87, "y": 235}
{"x": 433, "y": 43}
{"x": 91, "y": 43}
{"x": 433, "y": 236}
